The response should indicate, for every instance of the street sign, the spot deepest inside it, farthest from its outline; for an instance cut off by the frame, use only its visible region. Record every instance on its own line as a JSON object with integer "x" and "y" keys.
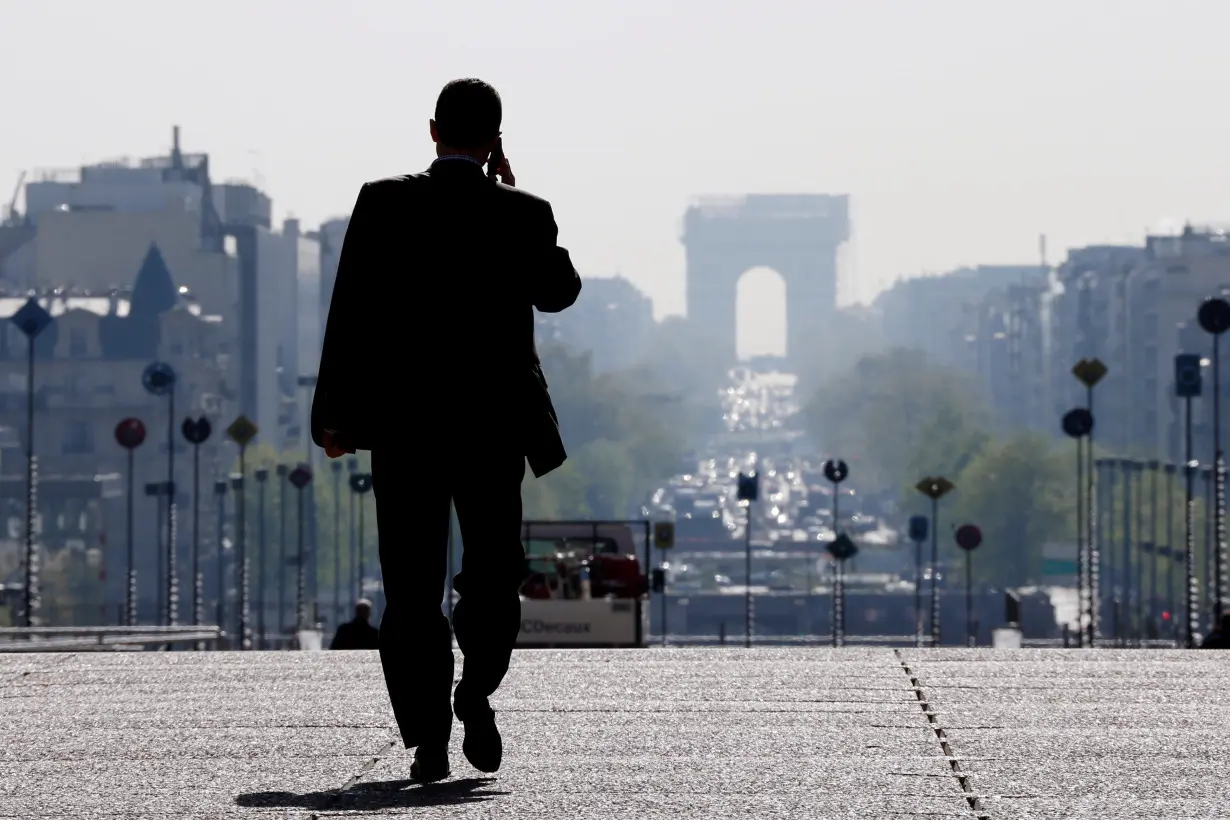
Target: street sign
{"x": 1078, "y": 423}
{"x": 361, "y": 482}
{"x": 130, "y": 433}
{"x": 1089, "y": 371}
{"x": 664, "y": 534}
{"x": 300, "y": 476}
{"x": 748, "y": 487}
{"x": 918, "y": 527}
{"x": 836, "y": 470}
{"x": 32, "y": 318}
{"x": 158, "y": 378}
{"x": 968, "y": 537}
{"x": 197, "y": 431}
{"x": 220, "y": 488}
{"x": 153, "y": 489}
{"x": 842, "y": 547}
{"x": 1187, "y": 380}
{"x": 935, "y": 487}
{"x": 242, "y": 431}
{"x": 261, "y": 474}
{"x": 1214, "y": 315}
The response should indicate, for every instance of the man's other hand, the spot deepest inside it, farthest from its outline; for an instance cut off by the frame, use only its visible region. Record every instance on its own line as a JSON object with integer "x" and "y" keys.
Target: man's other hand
{"x": 332, "y": 449}
{"x": 506, "y": 174}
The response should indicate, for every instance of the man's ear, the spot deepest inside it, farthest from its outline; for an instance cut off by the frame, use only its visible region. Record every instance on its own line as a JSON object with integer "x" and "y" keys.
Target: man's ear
{"x": 435, "y": 133}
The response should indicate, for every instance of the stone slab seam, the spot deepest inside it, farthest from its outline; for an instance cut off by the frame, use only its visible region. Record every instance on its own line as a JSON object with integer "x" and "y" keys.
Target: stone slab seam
{"x": 366, "y": 767}
{"x": 963, "y": 778}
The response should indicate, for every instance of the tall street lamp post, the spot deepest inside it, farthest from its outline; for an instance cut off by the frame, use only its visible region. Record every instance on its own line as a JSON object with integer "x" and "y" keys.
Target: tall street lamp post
{"x": 32, "y": 319}
{"x": 1214, "y": 317}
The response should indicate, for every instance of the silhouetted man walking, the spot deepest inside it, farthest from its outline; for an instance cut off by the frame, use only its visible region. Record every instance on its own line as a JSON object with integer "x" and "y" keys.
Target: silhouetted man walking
{"x": 429, "y": 362}
{"x": 358, "y": 633}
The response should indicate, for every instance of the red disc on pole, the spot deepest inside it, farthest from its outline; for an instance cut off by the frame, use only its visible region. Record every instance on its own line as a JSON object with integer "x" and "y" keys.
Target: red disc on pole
{"x": 130, "y": 433}
{"x": 968, "y": 537}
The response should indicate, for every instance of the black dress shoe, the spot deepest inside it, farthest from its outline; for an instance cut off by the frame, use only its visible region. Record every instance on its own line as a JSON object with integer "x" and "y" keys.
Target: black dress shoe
{"x": 482, "y": 746}
{"x": 430, "y": 764}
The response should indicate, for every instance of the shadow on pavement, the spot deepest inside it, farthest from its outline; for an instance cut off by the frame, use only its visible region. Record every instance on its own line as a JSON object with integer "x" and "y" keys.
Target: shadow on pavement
{"x": 384, "y": 794}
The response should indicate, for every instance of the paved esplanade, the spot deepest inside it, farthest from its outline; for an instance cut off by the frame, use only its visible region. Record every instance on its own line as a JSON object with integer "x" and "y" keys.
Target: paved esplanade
{"x": 790, "y": 733}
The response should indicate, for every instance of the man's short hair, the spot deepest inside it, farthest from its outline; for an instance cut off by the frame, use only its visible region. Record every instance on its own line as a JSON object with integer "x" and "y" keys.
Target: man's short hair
{"x": 468, "y": 113}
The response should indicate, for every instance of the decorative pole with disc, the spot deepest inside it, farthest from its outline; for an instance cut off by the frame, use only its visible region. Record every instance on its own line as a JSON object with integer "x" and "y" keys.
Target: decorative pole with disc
{"x": 242, "y": 431}
{"x": 836, "y": 471}
{"x": 159, "y": 380}
{"x": 1078, "y": 424}
{"x": 1089, "y": 372}
{"x": 196, "y": 432}
{"x": 935, "y": 488}
{"x": 130, "y": 434}
{"x": 968, "y": 538}
{"x": 360, "y": 485}
{"x": 1214, "y": 317}
{"x": 300, "y": 477}
{"x": 32, "y": 319}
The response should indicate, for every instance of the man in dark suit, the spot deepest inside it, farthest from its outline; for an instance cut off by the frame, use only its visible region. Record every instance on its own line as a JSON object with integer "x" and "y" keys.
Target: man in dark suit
{"x": 429, "y": 362}
{"x": 358, "y": 633}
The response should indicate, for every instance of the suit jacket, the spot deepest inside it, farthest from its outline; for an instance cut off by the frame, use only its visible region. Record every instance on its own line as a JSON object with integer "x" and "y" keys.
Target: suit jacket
{"x": 431, "y": 324}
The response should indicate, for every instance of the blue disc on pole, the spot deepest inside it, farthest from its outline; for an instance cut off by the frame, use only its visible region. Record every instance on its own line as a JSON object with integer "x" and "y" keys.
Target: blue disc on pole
{"x": 1214, "y": 315}
{"x": 158, "y": 378}
{"x": 196, "y": 431}
{"x": 361, "y": 482}
{"x": 835, "y": 470}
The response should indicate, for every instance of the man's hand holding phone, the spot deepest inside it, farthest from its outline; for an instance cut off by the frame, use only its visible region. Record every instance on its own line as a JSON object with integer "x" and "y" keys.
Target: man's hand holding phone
{"x": 332, "y": 448}
{"x": 506, "y": 174}
{"x": 497, "y": 165}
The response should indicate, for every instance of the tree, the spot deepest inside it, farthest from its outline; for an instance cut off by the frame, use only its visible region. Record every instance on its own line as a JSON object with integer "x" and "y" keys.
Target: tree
{"x": 1020, "y": 493}
{"x": 611, "y": 478}
{"x": 897, "y": 418}
{"x": 623, "y": 431}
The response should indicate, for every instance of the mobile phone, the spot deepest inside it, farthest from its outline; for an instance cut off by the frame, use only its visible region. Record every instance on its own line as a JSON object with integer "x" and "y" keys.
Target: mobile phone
{"x": 496, "y": 159}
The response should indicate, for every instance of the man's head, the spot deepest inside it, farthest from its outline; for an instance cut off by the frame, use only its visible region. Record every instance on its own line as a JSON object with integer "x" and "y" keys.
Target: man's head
{"x": 363, "y": 609}
{"x": 467, "y": 121}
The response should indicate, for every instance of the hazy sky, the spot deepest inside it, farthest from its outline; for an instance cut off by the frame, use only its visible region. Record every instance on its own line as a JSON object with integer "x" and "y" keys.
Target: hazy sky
{"x": 962, "y": 129}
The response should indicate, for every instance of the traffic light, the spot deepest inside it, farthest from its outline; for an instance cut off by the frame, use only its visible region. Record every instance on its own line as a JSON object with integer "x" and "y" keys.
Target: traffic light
{"x": 748, "y": 487}
{"x": 1187, "y": 381}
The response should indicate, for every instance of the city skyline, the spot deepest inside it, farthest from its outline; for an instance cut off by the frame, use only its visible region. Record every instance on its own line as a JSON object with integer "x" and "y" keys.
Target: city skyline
{"x": 958, "y": 143}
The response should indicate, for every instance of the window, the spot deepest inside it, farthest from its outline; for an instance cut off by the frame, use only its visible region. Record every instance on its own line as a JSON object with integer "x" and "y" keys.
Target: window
{"x": 78, "y": 437}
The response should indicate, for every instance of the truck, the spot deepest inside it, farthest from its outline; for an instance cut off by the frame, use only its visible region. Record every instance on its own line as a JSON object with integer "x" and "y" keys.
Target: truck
{"x": 584, "y": 585}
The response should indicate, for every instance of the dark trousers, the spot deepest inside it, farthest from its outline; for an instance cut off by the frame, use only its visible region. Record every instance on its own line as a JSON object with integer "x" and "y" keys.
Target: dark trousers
{"x": 413, "y": 488}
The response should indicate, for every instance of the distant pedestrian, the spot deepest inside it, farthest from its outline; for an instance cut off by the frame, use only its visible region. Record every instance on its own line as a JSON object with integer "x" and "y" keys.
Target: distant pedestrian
{"x": 359, "y": 633}
{"x": 1219, "y": 638}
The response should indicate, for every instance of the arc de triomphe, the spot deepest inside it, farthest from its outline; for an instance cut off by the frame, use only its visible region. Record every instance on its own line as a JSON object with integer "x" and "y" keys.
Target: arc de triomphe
{"x": 796, "y": 235}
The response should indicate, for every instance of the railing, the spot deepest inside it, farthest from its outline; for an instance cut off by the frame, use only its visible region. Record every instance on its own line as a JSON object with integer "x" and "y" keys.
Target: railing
{"x": 907, "y": 641}
{"x": 95, "y": 638}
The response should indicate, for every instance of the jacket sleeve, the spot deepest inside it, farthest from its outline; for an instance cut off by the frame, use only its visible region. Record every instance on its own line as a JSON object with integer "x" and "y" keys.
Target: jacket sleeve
{"x": 555, "y": 283}
{"x": 340, "y": 348}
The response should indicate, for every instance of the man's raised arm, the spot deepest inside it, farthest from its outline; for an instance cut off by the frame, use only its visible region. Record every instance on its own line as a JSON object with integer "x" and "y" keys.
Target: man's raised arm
{"x": 555, "y": 283}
